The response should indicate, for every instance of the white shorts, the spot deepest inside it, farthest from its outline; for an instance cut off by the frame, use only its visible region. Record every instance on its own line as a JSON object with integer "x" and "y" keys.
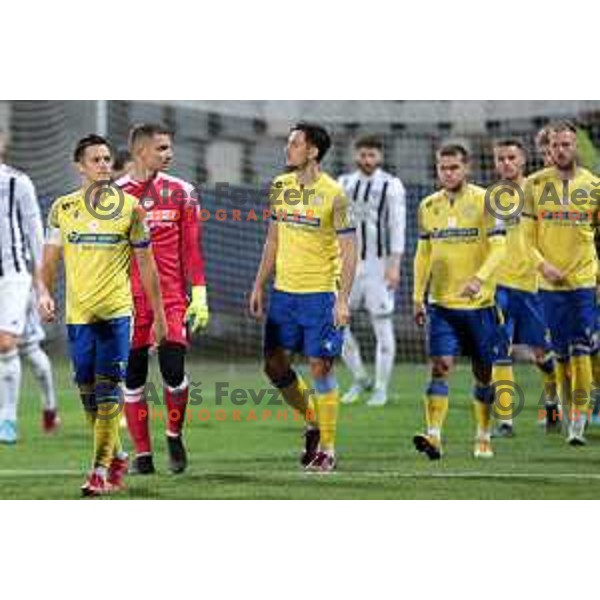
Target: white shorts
{"x": 370, "y": 290}
{"x": 14, "y": 298}
{"x": 34, "y": 332}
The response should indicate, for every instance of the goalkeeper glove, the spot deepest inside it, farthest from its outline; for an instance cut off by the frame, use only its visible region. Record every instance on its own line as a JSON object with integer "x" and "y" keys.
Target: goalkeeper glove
{"x": 197, "y": 311}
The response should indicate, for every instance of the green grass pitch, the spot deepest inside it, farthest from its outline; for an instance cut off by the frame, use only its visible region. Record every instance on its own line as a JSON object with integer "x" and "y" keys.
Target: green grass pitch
{"x": 249, "y": 458}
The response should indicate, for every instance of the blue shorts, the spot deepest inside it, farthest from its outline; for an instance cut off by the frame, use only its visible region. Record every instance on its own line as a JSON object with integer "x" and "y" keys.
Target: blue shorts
{"x": 523, "y": 319}
{"x": 303, "y": 324}
{"x": 455, "y": 332}
{"x": 571, "y": 317}
{"x": 100, "y": 348}
{"x": 596, "y": 336}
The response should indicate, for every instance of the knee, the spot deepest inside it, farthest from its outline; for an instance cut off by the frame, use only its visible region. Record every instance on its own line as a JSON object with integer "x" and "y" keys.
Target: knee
{"x": 8, "y": 343}
{"x": 440, "y": 368}
{"x": 171, "y": 359}
{"x": 107, "y": 389}
{"x": 483, "y": 374}
{"x": 275, "y": 369}
{"x": 137, "y": 368}
{"x": 87, "y": 394}
{"x": 321, "y": 369}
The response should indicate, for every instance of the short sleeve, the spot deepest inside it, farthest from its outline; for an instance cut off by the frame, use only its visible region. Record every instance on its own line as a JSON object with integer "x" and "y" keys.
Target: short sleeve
{"x": 343, "y": 218}
{"x": 53, "y": 234}
{"x": 139, "y": 235}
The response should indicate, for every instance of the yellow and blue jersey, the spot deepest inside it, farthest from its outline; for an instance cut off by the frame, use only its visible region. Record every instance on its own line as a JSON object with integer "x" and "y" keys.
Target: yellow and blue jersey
{"x": 563, "y": 214}
{"x": 97, "y": 256}
{"x": 308, "y": 221}
{"x": 458, "y": 239}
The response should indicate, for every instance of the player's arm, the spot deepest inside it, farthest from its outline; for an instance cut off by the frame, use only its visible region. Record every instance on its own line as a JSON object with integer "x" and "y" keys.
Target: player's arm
{"x": 531, "y": 225}
{"x": 31, "y": 221}
{"x": 266, "y": 269}
{"x": 139, "y": 239}
{"x": 396, "y": 232}
{"x": 193, "y": 262}
{"x": 495, "y": 232}
{"x": 346, "y": 235}
{"x": 422, "y": 271}
{"x": 48, "y": 268}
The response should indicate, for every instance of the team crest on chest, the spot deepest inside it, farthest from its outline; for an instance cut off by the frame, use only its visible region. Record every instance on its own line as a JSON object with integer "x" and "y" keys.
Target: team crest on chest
{"x": 469, "y": 212}
{"x": 147, "y": 203}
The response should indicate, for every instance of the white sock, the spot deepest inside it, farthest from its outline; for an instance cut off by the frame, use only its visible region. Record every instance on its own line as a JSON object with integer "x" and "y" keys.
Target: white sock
{"x": 10, "y": 383}
{"x": 351, "y": 356}
{"x": 386, "y": 351}
{"x": 42, "y": 370}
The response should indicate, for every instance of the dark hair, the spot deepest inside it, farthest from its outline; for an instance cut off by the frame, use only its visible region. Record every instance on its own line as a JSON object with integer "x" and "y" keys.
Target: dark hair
{"x": 122, "y": 156}
{"x": 369, "y": 141}
{"x": 316, "y": 136}
{"x": 88, "y": 141}
{"x": 143, "y": 131}
{"x": 454, "y": 150}
{"x": 506, "y": 142}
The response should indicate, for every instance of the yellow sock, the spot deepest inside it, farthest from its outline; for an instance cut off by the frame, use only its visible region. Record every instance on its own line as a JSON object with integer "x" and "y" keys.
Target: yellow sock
{"x": 549, "y": 383}
{"x": 297, "y": 395}
{"x": 106, "y": 430}
{"x": 595, "y": 358}
{"x": 563, "y": 384}
{"x": 436, "y": 407}
{"x": 503, "y": 403}
{"x": 581, "y": 383}
{"x": 483, "y": 410}
{"x": 328, "y": 409}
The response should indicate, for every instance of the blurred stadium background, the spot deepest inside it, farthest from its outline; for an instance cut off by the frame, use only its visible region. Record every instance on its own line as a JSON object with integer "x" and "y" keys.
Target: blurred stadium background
{"x": 241, "y": 143}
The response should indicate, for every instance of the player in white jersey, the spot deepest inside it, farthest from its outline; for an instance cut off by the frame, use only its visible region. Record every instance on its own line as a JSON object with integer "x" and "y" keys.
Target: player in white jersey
{"x": 378, "y": 201}
{"x": 31, "y": 352}
{"x": 21, "y": 240}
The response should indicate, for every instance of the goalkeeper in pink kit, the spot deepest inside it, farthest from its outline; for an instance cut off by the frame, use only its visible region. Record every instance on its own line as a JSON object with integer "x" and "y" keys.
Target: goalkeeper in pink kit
{"x": 172, "y": 216}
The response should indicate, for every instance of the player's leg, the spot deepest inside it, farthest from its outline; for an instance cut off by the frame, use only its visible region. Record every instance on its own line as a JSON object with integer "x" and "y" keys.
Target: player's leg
{"x": 110, "y": 462}
{"x": 171, "y": 360}
{"x": 32, "y": 353}
{"x": 14, "y": 296}
{"x": 533, "y": 331}
{"x": 322, "y": 342}
{"x": 283, "y": 335}
{"x": 10, "y": 383}
{"x": 82, "y": 348}
{"x": 482, "y": 332}
{"x": 546, "y": 363}
{"x": 351, "y": 349}
{"x": 502, "y": 374}
{"x": 595, "y": 359}
{"x": 583, "y": 303}
{"x": 483, "y": 402}
{"x": 558, "y": 315}
{"x": 380, "y": 304}
{"x": 443, "y": 345}
{"x": 327, "y": 397}
{"x": 136, "y": 410}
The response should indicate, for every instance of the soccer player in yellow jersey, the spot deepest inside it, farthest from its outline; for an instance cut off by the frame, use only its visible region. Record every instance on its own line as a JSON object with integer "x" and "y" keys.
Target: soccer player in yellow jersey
{"x": 564, "y": 198}
{"x": 516, "y": 295}
{"x": 310, "y": 249}
{"x": 96, "y": 229}
{"x": 460, "y": 246}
